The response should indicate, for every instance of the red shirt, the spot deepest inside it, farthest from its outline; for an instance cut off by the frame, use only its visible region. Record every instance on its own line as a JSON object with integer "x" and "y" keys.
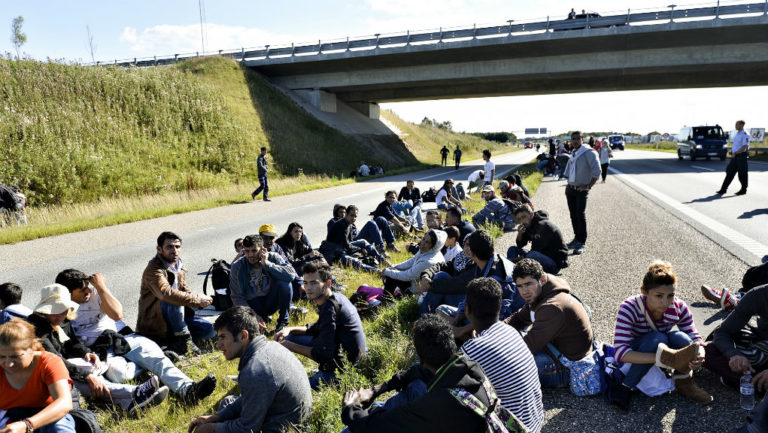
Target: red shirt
{"x": 49, "y": 369}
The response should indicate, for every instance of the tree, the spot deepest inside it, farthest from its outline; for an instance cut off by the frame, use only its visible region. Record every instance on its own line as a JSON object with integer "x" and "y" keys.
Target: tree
{"x": 91, "y": 45}
{"x": 18, "y": 38}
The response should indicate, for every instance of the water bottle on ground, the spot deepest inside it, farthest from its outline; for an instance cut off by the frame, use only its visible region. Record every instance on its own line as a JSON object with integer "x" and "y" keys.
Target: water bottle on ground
{"x": 747, "y": 392}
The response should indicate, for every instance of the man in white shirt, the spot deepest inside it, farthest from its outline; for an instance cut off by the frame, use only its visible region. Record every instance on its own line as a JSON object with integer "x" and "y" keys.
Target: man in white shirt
{"x": 475, "y": 180}
{"x": 489, "y": 168}
{"x": 740, "y": 152}
{"x": 364, "y": 170}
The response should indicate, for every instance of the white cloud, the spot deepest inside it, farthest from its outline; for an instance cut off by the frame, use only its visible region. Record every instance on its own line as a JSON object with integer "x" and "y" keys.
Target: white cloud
{"x": 128, "y": 35}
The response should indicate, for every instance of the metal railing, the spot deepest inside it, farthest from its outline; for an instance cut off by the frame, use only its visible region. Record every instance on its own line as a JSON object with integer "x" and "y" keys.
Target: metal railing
{"x": 441, "y": 36}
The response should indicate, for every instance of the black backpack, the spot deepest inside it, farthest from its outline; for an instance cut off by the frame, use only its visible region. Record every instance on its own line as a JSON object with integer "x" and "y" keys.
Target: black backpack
{"x": 219, "y": 273}
{"x": 429, "y": 195}
{"x": 512, "y": 205}
{"x": 8, "y": 198}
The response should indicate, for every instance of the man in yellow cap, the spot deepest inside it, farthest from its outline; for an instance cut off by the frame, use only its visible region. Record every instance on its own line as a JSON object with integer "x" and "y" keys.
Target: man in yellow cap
{"x": 269, "y": 234}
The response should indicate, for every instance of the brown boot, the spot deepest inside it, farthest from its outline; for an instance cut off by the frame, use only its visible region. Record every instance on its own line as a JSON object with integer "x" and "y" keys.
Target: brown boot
{"x": 676, "y": 359}
{"x": 689, "y": 389}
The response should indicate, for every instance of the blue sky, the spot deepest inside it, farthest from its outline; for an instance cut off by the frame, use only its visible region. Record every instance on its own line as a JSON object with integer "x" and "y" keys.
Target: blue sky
{"x": 139, "y": 28}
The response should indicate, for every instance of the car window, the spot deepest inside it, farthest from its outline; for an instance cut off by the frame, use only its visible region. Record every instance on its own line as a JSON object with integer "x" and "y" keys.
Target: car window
{"x": 702, "y": 133}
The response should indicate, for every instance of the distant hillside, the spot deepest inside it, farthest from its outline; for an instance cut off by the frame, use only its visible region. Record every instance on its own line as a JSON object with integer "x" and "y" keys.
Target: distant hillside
{"x": 77, "y": 134}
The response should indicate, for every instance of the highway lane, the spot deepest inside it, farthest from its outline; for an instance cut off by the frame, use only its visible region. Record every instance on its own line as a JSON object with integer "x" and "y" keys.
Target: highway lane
{"x": 121, "y": 252}
{"x": 687, "y": 189}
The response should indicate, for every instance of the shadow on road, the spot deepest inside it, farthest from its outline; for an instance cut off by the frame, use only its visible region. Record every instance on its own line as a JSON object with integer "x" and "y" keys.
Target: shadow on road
{"x": 712, "y": 197}
{"x": 636, "y": 165}
{"x": 752, "y": 213}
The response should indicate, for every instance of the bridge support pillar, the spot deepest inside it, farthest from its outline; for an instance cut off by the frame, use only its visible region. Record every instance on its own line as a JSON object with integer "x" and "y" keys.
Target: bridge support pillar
{"x": 321, "y": 99}
{"x": 370, "y": 110}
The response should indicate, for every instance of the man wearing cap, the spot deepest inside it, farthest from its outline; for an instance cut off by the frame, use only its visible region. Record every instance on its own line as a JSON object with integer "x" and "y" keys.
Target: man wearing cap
{"x": 495, "y": 211}
{"x": 268, "y": 234}
{"x": 164, "y": 298}
{"x": 262, "y": 280}
{"x": 263, "y": 167}
{"x": 582, "y": 171}
{"x": 512, "y": 192}
{"x": 51, "y": 319}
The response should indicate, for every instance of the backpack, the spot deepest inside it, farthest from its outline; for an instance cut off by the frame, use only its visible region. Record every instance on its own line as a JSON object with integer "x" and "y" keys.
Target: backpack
{"x": 219, "y": 273}
{"x": 85, "y": 421}
{"x": 498, "y": 418}
{"x": 8, "y": 199}
{"x": 429, "y": 195}
{"x": 512, "y": 205}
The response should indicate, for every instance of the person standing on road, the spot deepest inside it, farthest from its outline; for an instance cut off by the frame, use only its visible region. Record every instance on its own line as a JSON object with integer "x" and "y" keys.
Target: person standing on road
{"x": 457, "y": 156}
{"x": 489, "y": 168}
{"x": 263, "y": 168}
{"x": 740, "y": 152}
{"x": 605, "y": 158}
{"x": 582, "y": 172}
{"x": 444, "y": 156}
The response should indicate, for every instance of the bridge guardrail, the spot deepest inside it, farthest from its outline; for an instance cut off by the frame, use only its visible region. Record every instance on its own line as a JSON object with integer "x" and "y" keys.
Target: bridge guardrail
{"x": 664, "y": 16}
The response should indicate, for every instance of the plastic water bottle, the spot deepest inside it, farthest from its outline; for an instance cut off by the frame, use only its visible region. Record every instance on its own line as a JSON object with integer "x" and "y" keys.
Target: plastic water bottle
{"x": 747, "y": 392}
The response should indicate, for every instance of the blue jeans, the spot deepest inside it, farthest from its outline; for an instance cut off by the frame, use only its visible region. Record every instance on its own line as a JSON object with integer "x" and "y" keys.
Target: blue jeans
{"x": 547, "y": 263}
{"x": 460, "y": 194}
{"x": 648, "y": 343}
{"x": 551, "y": 374}
{"x": 376, "y": 232}
{"x": 263, "y": 185}
{"x": 321, "y": 377}
{"x": 278, "y": 298}
{"x": 179, "y": 323}
{"x": 147, "y": 355}
{"x": 433, "y": 300}
{"x": 64, "y": 425}
{"x": 414, "y": 390}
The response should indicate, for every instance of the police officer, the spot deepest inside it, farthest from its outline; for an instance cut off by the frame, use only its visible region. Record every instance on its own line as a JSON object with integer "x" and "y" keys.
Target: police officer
{"x": 740, "y": 152}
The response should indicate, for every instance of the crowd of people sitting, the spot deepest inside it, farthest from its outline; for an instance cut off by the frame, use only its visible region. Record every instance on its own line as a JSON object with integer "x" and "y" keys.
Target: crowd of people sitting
{"x": 552, "y": 161}
{"x": 493, "y": 328}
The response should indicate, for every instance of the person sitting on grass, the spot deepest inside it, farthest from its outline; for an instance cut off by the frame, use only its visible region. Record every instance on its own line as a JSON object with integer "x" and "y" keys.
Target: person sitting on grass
{"x": 164, "y": 298}
{"x": 274, "y": 390}
{"x": 384, "y": 210}
{"x": 452, "y": 247}
{"x": 495, "y": 211}
{"x": 99, "y": 326}
{"x": 51, "y": 319}
{"x": 439, "y": 410}
{"x": 502, "y": 354}
{"x": 297, "y": 251}
{"x": 338, "y": 328}
{"x": 555, "y": 317}
{"x": 238, "y": 249}
{"x": 644, "y": 336}
{"x": 434, "y": 220}
{"x": 376, "y": 232}
{"x": 34, "y": 384}
{"x": 268, "y": 234}
{"x": 340, "y": 245}
{"x": 10, "y": 303}
{"x": 405, "y": 275}
{"x": 547, "y": 243}
{"x": 453, "y": 218}
{"x": 410, "y": 192}
{"x": 445, "y": 283}
{"x": 513, "y": 192}
{"x": 262, "y": 280}
{"x": 445, "y": 200}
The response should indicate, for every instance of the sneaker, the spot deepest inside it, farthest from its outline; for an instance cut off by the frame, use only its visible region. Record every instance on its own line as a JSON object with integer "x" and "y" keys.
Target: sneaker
{"x": 298, "y": 313}
{"x": 723, "y": 298}
{"x": 148, "y": 394}
{"x": 266, "y": 199}
{"x": 572, "y": 244}
{"x": 200, "y": 390}
{"x": 179, "y": 344}
{"x": 741, "y": 192}
{"x": 579, "y": 249}
{"x": 173, "y": 356}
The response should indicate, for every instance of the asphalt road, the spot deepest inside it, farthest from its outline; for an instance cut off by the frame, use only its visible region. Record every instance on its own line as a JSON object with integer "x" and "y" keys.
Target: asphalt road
{"x": 687, "y": 189}
{"x": 121, "y": 252}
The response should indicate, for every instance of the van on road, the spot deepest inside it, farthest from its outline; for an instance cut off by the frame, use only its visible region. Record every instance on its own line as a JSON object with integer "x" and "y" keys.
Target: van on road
{"x": 702, "y": 142}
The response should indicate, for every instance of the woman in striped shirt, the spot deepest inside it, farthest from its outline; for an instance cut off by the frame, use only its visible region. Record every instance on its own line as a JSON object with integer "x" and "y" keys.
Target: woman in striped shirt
{"x": 645, "y": 337}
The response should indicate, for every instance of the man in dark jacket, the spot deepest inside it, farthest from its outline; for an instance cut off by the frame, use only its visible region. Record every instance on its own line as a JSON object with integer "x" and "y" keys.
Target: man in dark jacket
{"x": 338, "y": 327}
{"x": 437, "y": 410}
{"x": 453, "y": 218}
{"x": 446, "y": 283}
{"x": 340, "y": 244}
{"x": 444, "y": 156}
{"x": 410, "y": 192}
{"x": 262, "y": 169}
{"x": 384, "y": 210}
{"x": 547, "y": 244}
{"x": 557, "y": 318}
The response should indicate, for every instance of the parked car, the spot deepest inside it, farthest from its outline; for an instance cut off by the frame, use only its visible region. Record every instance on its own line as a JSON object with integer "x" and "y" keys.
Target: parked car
{"x": 702, "y": 142}
{"x": 617, "y": 141}
{"x": 528, "y": 145}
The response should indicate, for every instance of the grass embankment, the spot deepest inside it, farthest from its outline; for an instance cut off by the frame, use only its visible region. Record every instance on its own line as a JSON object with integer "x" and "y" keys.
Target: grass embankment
{"x": 662, "y": 146}
{"x": 387, "y": 337}
{"x": 93, "y": 147}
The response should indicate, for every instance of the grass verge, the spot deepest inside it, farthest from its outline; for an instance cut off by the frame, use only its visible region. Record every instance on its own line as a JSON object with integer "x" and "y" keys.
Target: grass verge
{"x": 389, "y": 350}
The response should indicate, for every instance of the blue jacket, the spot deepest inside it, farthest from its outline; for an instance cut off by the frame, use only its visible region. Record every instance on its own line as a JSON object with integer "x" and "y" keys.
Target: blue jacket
{"x": 239, "y": 278}
{"x": 500, "y": 269}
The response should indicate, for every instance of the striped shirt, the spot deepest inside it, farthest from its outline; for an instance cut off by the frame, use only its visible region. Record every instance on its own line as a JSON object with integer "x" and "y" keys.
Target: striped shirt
{"x": 509, "y": 366}
{"x": 631, "y": 322}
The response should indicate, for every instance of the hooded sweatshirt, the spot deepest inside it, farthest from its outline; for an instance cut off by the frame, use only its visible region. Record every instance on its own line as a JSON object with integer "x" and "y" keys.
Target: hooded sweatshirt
{"x": 545, "y": 238}
{"x": 558, "y": 318}
{"x": 436, "y": 411}
{"x": 411, "y": 269}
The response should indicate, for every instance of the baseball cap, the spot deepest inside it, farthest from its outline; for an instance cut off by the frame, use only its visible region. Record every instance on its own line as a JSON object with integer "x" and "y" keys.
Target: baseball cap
{"x": 488, "y": 188}
{"x": 268, "y": 230}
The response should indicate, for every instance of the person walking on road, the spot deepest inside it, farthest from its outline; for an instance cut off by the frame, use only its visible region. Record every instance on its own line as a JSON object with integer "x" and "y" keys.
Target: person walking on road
{"x": 582, "y": 171}
{"x": 605, "y": 158}
{"x": 457, "y": 156}
{"x": 444, "y": 156}
{"x": 263, "y": 168}
{"x": 740, "y": 152}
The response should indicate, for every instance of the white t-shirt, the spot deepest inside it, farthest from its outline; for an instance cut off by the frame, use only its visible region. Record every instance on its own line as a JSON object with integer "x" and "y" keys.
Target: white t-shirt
{"x": 440, "y": 197}
{"x": 91, "y": 321}
{"x": 740, "y": 140}
{"x": 451, "y": 253}
{"x": 489, "y": 167}
{"x": 474, "y": 176}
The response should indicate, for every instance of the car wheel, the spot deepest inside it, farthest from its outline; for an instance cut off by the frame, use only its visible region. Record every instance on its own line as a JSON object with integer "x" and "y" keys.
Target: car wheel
{"x": 679, "y": 155}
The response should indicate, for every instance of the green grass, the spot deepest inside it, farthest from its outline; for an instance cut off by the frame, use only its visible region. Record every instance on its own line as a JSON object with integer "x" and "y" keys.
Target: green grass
{"x": 389, "y": 350}
{"x": 662, "y": 146}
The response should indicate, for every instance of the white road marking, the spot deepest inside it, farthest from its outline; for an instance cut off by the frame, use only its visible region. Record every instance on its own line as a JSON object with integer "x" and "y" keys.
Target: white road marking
{"x": 702, "y": 168}
{"x": 752, "y": 246}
